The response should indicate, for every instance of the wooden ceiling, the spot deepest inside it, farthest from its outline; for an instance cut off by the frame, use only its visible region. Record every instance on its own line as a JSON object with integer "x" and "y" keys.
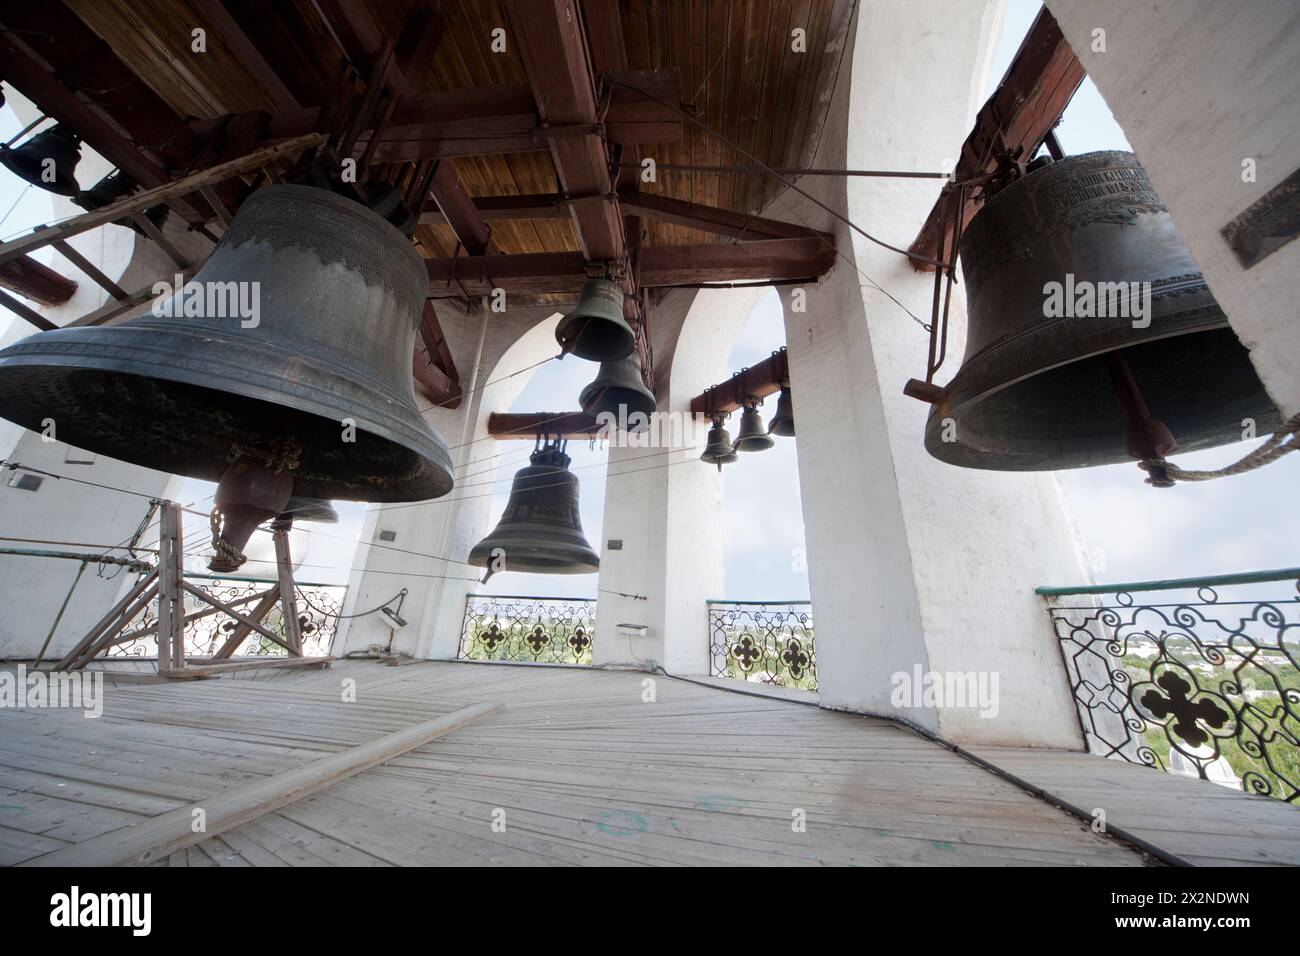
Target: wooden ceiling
{"x": 734, "y": 59}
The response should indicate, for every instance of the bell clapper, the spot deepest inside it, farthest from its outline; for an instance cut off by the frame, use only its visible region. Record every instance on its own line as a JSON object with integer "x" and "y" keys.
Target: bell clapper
{"x": 1146, "y": 438}
{"x": 254, "y": 488}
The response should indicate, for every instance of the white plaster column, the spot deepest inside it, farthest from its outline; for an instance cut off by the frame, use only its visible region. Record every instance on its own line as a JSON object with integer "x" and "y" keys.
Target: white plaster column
{"x": 669, "y": 518}
{"x": 912, "y": 563}
{"x": 1199, "y": 87}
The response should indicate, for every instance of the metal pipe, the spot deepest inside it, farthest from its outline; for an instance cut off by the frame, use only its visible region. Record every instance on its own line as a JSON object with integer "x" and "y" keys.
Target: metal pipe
{"x": 1241, "y": 577}
{"x": 40, "y": 655}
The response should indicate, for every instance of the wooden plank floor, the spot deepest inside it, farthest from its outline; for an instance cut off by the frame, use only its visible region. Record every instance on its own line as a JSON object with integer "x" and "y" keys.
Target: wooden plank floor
{"x": 1199, "y": 822}
{"x": 578, "y": 767}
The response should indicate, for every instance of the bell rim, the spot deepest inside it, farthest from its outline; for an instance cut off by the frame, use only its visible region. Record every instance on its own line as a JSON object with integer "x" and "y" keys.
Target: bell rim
{"x": 62, "y": 186}
{"x": 400, "y": 429}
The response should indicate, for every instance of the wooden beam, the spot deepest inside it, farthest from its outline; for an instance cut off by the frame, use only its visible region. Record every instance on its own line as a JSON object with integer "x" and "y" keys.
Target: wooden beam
{"x": 36, "y": 281}
{"x": 724, "y": 222}
{"x": 487, "y": 120}
{"x": 153, "y": 839}
{"x": 757, "y": 381}
{"x": 1011, "y": 126}
{"x": 458, "y": 210}
{"x": 524, "y": 426}
{"x": 26, "y": 312}
{"x": 659, "y": 266}
{"x": 139, "y": 201}
{"x": 549, "y": 38}
{"x": 245, "y": 52}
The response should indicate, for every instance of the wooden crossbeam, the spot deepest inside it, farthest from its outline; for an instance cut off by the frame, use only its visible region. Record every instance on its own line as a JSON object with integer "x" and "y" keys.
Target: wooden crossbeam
{"x": 1014, "y": 122}
{"x": 36, "y": 281}
{"x": 549, "y": 38}
{"x": 521, "y": 426}
{"x": 757, "y": 381}
{"x": 659, "y": 266}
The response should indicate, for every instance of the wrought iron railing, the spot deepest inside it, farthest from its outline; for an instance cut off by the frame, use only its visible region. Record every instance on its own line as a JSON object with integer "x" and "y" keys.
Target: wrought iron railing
{"x": 318, "y": 608}
{"x": 1170, "y": 674}
{"x": 534, "y": 629}
{"x": 770, "y": 642}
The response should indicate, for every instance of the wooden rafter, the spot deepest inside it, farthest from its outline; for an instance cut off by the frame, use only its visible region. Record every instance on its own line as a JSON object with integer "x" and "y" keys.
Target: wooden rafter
{"x": 1011, "y": 126}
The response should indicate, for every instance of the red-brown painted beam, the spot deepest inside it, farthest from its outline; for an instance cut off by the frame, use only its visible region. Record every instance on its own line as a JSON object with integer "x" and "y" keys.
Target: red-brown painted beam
{"x": 524, "y": 426}
{"x": 36, "y": 281}
{"x": 1038, "y": 86}
{"x": 756, "y": 382}
{"x": 774, "y": 259}
{"x": 554, "y": 53}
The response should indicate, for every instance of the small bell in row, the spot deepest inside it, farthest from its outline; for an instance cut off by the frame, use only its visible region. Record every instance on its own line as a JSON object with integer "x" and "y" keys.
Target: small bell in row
{"x": 620, "y": 390}
{"x": 782, "y": 422}
{"x": 718, "y": 450}
{"x": 596, "y": 330}
{"x": 753, "y": 434}
{"x": 48, "y": 160}
{"x": 540, "y": 530}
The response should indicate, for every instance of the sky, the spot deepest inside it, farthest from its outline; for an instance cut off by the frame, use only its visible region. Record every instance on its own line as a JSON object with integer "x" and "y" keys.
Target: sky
{"x": 1131, "y": 531}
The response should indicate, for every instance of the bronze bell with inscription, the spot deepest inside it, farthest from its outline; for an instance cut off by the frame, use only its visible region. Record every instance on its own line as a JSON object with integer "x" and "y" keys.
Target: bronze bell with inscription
{"x": 540, "y": 531}
{"x": 1092, "y": 336}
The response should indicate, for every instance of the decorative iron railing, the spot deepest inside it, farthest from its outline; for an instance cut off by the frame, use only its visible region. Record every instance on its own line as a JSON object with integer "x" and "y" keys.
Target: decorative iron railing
{"x": 770, "y": 642}
{"x": 318, "y": 608}
{"x": 1181, "y": 679}
{"x": 521, "y": 628}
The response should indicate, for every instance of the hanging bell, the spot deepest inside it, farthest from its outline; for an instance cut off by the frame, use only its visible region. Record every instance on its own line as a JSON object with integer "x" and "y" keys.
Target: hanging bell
{"x": 292, "y": 345}
{"x": 1045, "y": 382}
{"x": 595, "y": 329}
{"x": 115, "y": 187}
{"x": 753, "y": 434}
{"x": 782, "y": 422}
{"x": 619, "y": 390}
{"x": 718, "y": 449}
{"x": 540, "y": 531}
{"x": 60, "y": 147}
{"x": 310, "y": 509}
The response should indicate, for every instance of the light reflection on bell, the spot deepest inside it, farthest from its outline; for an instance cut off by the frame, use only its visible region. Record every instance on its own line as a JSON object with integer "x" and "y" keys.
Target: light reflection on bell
{"x": 326, "y": 364}
{"x": 595, "y": 329}
{"x": 718, "y": 449}
{"x": 619, "y": 390}
{"x": 782, "y": 422}
{"x": 28, "y": 161}
{"x": 540, "y": 531}
{"x": 753, "y": 434}
{"x": 1039, "y": 390}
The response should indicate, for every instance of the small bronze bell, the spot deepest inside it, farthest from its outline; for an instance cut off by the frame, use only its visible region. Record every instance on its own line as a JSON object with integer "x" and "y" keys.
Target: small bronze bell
{"x": 595, "y": 329}
{"x": 27, "y": 161}
{"x": 619, "y": 390}
{"x": 782, "y": 422}
{"x": 113, "y": 188}
{"x": 753, "y": 434}
{"x": 541, "y": 529}
{"x": 718, "y": 450}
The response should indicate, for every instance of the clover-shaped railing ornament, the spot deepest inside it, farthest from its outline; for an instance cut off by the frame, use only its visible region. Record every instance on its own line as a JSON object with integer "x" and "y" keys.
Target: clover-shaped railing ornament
{"x": 538, "y": 638}
{"x": 746, "y": 653}
{"x": 795, "y": 658}
{"x": 1187, "y": 708}
{"x": 493, "y": 635}
{"x": 579, "y": 641}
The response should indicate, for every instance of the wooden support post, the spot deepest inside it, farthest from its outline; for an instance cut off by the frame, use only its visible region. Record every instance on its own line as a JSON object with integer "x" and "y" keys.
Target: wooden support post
{"x": 288, "y": 595}
{"x": 143, "y": 586}
{"x": 171, "y": 606}
{"x": 269, "y": 599}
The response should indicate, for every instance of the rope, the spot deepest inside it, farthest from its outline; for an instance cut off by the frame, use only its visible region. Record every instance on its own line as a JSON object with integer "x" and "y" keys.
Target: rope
{"x": 1163, "y": 474}
{"x": 347, "y": 617}
{"x": 227, "y": 555}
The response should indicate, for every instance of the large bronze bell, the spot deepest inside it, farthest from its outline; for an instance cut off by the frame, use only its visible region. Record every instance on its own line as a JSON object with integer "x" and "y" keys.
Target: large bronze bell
{"x": 319, "y": 384}
{"x": 1038, "y": 390}
{"x": 540, "y": 531}
{"x": 718, "y": 449}
{"x": 753, "y": 434}
{"x": 595, "y": 329}
{"x": 27, "y": 161}
{"x": 620, "y": 390}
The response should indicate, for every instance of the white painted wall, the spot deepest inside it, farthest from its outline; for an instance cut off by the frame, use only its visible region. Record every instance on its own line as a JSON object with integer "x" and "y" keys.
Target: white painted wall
{"x": 1198, "y": 86}
{"x": 912, "y": 562}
